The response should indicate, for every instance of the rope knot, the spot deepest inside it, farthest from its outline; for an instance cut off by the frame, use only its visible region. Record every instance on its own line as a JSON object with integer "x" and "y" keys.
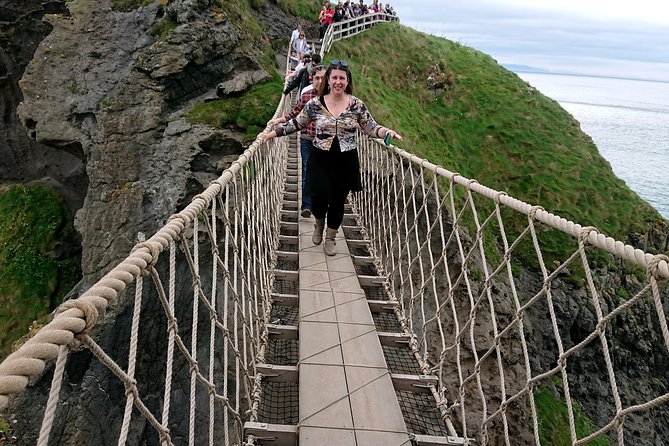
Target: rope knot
{"x": 653, "y": 268}
{"x": 131, "y": 388}
{"x": 89, "y": 310}
{"x": 499, "y": 195}
{"x": 470, "y": 183}
{"x": 585, "y": 233}
{"x": 533, "y": 211}
{"x": 153, "y": 249}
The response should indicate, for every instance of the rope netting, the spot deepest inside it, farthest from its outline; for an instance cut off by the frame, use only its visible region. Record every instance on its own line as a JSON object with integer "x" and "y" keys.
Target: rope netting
{"x": 497, "y": 318}
{"x": 210, "y": 271}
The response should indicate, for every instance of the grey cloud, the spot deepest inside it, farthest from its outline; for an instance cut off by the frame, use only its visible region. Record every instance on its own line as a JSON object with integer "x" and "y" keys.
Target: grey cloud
{"x": 505, "y": 32}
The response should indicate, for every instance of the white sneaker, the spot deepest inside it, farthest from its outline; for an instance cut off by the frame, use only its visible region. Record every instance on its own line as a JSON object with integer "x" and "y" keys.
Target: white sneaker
{"x": 306, "y": 213}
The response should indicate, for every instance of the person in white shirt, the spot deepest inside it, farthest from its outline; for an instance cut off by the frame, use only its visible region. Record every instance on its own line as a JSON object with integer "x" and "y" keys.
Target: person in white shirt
{"x": 295, "y": 34}
{"x": 300, "y": 46}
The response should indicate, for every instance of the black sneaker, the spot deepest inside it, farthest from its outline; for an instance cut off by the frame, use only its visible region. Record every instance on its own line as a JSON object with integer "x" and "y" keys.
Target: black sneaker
{"x": 306, "y": 213}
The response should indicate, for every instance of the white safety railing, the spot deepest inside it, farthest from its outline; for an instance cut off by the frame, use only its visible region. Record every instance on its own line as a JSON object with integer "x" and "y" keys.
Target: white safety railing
{"x": 450, "y": 248}
{"x": 351, "y": 27}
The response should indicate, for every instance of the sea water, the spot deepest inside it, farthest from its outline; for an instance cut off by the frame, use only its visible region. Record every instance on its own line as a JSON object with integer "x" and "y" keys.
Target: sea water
{"x": 627, "y": 119}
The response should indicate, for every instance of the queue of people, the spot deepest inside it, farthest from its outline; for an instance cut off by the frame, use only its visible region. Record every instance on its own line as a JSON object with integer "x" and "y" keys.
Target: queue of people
{"x": 348, "y": 10}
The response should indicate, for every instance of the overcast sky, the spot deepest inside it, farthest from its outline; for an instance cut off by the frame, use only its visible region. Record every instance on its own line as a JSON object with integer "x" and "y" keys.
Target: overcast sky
{"x": 594, "y": 37}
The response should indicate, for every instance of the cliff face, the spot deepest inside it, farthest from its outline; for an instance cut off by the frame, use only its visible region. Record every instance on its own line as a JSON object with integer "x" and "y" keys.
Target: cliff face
{"x": 23, "y": 159}
{"x": 101, "y": 90}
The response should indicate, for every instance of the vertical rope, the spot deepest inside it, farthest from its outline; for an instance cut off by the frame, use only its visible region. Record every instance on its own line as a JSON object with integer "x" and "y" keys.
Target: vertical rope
{"x": 132, "y": 358}
{"x": 54, "y": 391}
{"x": 193, "y": 342}
{"x": 212, "y": 316}
{"x": 226, "y": 300}
{"x": 171, "y": 333}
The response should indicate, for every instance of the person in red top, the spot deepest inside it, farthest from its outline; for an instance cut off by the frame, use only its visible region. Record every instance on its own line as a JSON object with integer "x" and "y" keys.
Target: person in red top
{"x": 307, "y": 134}
{"x": 327, "y": 15}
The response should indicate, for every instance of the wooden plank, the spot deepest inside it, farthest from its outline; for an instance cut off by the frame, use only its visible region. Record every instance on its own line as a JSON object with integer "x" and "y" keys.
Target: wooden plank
{"x": 382, "y": 306}
{"x": 282, "y": 331}
{"x": 286, "y": 300}
{"x": 430, "y": 440}
{"x": 362, "y": 260}
{"x": 414, "y": 383}
{"x": 358, "y": 243}
{"x": 283, "y": 274}
{"x": 372, "y": 280}
{"x": 278, "y": 373}
{"x": 287, "y": 255}
{"x": 290, "y": 225}
{"x": 289, "y": 239}
{"x": 394, "y": 339}
{"x": 272, "y": 434}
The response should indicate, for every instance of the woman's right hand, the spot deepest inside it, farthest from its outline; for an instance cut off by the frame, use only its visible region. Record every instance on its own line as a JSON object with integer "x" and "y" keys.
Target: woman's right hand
{"x": 267, "y": 136}
{"x": 274, "y": 121}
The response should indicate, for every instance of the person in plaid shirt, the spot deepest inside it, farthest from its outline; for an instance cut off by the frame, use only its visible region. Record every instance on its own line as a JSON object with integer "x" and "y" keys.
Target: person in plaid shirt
{"x": 307, "y": 134}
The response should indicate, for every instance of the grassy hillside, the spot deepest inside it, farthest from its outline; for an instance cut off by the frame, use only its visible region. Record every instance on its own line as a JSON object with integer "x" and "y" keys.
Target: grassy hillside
{"x": 33, "y": 279}
{"x": 491, "y": 126}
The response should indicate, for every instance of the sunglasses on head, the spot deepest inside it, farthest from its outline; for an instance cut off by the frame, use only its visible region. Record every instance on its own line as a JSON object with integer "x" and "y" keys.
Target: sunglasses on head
{"x": 341, "y": 64}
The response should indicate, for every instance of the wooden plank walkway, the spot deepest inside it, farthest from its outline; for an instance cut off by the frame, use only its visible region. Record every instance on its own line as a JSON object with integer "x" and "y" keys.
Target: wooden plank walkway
{"x": 346, "y": 393}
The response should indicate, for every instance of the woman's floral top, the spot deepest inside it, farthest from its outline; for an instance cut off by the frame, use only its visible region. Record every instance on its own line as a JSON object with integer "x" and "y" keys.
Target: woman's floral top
{"x": 356, "y": 116}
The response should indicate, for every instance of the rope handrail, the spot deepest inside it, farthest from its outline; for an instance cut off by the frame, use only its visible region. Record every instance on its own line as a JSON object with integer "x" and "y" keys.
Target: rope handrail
{"x": 594, "y": 237}
{"x": 452, "y": 269}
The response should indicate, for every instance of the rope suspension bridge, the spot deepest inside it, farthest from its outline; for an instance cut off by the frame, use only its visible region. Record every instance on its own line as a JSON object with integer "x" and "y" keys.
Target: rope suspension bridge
{"x": 415, "y": 333}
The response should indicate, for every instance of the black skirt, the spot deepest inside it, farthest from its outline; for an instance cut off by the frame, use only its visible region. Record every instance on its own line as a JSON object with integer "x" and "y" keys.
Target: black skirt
{"x": 332, "y": 170}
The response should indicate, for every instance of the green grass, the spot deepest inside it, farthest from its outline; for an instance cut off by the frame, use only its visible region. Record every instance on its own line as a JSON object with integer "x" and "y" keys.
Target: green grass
{"x": 33, "y": 222}
{"x": 490, "y": 126}
{"x": 554, "y": 421}
{"x": 307, "y": 9}
{"x": 162, "y": 28}
{"x": 127, "y": 5}
{"x": 248, "y": 113}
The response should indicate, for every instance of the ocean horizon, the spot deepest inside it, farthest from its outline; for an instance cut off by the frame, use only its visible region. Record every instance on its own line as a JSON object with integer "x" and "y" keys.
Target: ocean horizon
{"x": 627, "y": 119}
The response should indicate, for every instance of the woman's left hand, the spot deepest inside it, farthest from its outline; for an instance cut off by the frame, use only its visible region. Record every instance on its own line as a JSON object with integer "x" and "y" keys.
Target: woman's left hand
{"x": 394, "y": 134}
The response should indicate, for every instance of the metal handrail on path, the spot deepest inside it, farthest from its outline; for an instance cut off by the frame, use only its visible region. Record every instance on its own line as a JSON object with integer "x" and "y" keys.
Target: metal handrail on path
{"x": 351, "y": 27}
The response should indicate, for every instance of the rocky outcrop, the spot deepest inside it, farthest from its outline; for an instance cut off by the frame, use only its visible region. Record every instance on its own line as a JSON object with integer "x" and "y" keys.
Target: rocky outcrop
{"x": 22, "y": 158}
{"x": 117, "y": 95}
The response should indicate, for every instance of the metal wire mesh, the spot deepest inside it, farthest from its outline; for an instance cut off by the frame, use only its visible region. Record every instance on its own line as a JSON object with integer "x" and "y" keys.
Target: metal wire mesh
{"x": 420, "y": 414}
{"x": 387, "y": 322}
{"x": 284, "y": 315}
{"x": 375, "y": 293}
{"x": 286, "y": 287}
{"x": 280, "y": 403}
{"x": 401, "y": 360}
{"x": 282, "y": 351}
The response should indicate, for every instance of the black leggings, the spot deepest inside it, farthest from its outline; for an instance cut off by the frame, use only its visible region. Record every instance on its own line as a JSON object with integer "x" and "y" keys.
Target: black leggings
{"x": 334, "y": 208}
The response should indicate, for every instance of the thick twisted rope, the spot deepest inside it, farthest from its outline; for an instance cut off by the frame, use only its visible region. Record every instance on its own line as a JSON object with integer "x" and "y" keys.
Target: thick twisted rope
{"x": 402, "y": 209}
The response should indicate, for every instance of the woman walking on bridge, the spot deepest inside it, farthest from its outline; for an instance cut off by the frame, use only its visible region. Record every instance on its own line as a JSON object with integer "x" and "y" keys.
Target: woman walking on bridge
{"x": 333, "y": 169}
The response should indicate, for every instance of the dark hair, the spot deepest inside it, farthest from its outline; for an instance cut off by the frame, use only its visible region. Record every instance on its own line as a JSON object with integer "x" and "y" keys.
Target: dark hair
{"x": 325, "y": 86}
{"x": 316, "y": 58}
